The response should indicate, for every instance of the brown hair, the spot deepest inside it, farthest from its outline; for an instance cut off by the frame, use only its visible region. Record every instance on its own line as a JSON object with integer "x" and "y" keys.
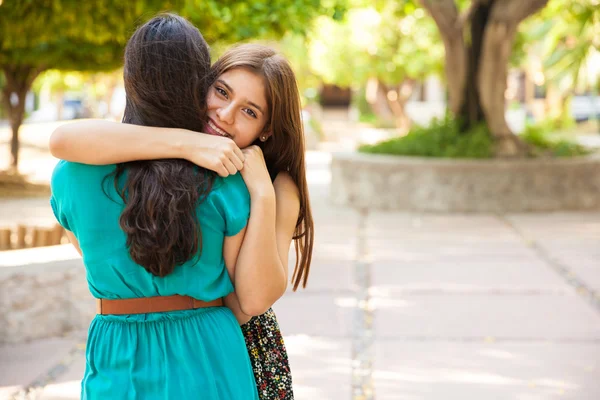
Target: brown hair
{"x": 167, "y": 72}
{"x": 284, "y": 150}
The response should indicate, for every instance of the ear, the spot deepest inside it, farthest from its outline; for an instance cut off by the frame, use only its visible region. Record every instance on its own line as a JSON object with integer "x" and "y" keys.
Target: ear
{"x": 265, "y": 136}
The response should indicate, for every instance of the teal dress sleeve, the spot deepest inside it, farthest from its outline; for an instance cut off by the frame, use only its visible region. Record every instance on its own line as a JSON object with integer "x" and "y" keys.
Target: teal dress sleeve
{"x": 58, "y": 198}
{"x": 233, "y": 202}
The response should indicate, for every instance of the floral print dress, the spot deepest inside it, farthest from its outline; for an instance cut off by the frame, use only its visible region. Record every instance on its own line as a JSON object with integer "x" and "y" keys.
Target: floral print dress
{"x": 269, "y": 357}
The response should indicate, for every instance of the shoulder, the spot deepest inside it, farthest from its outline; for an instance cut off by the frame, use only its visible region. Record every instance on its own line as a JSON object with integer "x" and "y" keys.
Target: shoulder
{"x": 231, "y": 200}
{"x": 62, "y": 172}
{"x": 284, "y": 184}
{"x": 62, "y": 168}
{"x": 287, "y": 195}
{"x": 67, "y": 168}
{"x": 230, "y": 190}
{"x": 232, "y": 183}
{"x": 68, "y": 176}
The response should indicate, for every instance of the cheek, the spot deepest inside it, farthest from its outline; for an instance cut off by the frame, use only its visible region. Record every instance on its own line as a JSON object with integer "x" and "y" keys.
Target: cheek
{"x": 248, "y": 132}
{"x": 212, "y": 101}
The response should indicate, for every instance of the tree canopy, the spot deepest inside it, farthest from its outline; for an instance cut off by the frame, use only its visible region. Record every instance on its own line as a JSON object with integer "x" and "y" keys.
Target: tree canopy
{"x": 90, "y": 35}
{"x": 393, "y": 43}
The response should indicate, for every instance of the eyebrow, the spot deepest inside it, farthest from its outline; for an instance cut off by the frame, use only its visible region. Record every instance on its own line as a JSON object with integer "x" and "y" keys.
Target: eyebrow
{"x": 222, "y": 82}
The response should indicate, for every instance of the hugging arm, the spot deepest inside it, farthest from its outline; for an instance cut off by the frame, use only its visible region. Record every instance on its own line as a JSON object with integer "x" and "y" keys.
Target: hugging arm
{"x": 231, "y": 250}
{"x": 259, "y": 249}
{"x": 262, "y": 266}
{"x": 100, "y": 142}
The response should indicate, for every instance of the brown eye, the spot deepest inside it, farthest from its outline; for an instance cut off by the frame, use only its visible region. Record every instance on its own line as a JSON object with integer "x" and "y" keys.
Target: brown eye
{"x": 221, "y": 91}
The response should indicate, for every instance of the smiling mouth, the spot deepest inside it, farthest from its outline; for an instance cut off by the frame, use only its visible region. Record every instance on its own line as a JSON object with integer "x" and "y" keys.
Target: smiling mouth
{"x": 213, "y": 129}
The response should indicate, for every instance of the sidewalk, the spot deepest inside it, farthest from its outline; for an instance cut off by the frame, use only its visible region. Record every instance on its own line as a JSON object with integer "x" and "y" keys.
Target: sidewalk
{"x": 416, "y": 306}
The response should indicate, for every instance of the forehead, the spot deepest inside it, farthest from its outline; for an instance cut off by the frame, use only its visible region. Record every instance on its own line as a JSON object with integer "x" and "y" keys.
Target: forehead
{"x": 246, "y": 83}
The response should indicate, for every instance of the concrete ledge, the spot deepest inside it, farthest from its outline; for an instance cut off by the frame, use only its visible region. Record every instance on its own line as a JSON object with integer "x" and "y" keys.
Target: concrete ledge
{"x": 43, "y": 293}
{"x": 448, "y": 185}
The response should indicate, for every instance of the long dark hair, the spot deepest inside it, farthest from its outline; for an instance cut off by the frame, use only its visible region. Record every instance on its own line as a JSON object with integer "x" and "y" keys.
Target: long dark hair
{"x": 166, "y": 73}
{"x": 284, "y": 150}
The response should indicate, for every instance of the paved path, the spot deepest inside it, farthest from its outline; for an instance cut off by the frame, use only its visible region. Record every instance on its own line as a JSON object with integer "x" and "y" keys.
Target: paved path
{"x": 416, "y": 306}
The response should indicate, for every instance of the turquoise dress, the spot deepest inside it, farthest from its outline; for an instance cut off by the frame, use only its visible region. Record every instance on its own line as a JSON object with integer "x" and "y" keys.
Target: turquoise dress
{"x": 192, "y": 354}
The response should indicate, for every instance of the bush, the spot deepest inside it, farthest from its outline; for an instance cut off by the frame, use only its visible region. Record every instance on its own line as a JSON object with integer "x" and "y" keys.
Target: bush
{"x": 539, "y": 137}
{"x": 442, "y": 138}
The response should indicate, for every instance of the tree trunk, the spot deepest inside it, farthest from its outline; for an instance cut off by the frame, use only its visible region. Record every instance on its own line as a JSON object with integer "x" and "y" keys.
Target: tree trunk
{"x": 401, "y": 118}
{"x": 379, "y": 104}
{"x": 455, "y": 67}
{"x": 491, "y": 79}
{"x": 471, "y": 112}
{"x": 477, "y": 74}
{"x": 396, "y": 100}
{"x": 18, "y": 83}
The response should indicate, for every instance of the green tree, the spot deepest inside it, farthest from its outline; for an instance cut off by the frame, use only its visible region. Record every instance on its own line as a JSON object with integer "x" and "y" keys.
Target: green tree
{"x": 569, "y": 38}
{"x": 478, "y": 39}
{"x": 90, "y": 35}
{"x": 391, "y": 45}
{"x": 567, "y": 35}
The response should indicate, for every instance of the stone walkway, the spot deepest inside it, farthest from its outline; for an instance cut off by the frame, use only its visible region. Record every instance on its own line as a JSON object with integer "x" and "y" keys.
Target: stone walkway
{"x": 415, "y": 306}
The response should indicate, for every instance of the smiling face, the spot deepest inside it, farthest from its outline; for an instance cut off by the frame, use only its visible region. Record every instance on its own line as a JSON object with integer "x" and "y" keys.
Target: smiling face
{"x": 237, "y": 107}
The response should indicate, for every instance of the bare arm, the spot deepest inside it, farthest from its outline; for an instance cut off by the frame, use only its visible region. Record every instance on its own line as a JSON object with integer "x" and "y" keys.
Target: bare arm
{"x": 287, "y": 199}
{"x": 231, "y": 250}
{"x": 100, "y": 142}
{"x": 287, "y": 208}
{"x": 262, "y": 265}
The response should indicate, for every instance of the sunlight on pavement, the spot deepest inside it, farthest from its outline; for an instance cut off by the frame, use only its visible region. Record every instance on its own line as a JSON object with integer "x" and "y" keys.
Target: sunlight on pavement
{"x": 63, "y": 391}
{"x": 48, "y": 254}
{"x": 6, "y": 391}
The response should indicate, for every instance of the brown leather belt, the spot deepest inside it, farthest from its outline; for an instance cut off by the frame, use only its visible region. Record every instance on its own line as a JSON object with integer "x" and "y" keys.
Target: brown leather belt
{"x": 145, "y": 305}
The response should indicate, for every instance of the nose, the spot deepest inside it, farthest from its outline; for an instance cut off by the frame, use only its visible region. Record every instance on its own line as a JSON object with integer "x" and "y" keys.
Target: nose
{"x": 225, "y": 113}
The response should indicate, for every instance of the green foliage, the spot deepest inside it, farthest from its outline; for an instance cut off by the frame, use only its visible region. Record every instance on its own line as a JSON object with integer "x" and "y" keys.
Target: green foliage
{"x": 295, "y": 48}
{"x": 69, "y": 35}
{"x": 91, "y": 34}
{"x": 539, "y": 136}
{"x": 391, "y": 41}
{"x": 232, "y": 20}
{"x": 443, "y": 138}
{"x": 568, "y": 33}
{"x": 375, "y": 121}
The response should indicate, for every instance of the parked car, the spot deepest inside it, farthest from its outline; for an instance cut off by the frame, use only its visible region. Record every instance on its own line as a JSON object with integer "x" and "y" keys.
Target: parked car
{"x": 585, "y": 107}
{"x": 74, "y": 108}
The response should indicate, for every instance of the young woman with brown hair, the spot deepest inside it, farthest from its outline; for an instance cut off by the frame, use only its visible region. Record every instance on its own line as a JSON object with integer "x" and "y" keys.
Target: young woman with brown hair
{"x": 158, "y": 239}
{"x": 253, "y": 104}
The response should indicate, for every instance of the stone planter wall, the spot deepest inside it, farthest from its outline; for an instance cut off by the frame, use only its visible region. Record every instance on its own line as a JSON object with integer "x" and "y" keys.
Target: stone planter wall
{"x": 446, "y": 185}
{"x": 43, "y": 300}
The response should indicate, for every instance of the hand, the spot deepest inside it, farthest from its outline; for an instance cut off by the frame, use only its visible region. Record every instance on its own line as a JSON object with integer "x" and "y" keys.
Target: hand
{"x": 219, "y": 154}
{"x": 255, "y": 173}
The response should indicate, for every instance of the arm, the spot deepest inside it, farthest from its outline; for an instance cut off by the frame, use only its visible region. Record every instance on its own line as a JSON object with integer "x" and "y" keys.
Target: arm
{"x": 262, "y": 266}
{"x": 287, "y": 199}
{"x": 99, "y": 142}
{"x": 74, "y": 241}
{"x": 287, "y": 208}
{"x": 231, "y": 250}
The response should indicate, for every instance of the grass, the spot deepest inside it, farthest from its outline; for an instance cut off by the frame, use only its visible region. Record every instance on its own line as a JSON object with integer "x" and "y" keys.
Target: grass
{"x": 543, "y": 143}
{"x": 444, "y": 139}
{"x": 375, "y": 121}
